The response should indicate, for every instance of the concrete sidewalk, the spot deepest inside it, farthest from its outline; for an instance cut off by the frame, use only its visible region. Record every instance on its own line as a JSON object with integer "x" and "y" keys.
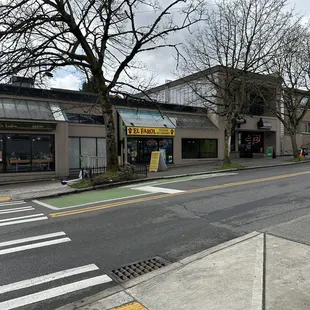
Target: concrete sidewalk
{"x": 256, "y": 272}
{"x": 38, "y": 189}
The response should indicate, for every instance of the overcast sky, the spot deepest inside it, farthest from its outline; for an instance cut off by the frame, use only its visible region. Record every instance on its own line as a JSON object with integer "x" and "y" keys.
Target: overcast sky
{"x": 161, "y": 62}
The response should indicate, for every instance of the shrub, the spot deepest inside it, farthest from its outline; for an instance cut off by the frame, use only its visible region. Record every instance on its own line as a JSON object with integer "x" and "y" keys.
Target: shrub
{"x": 105, "y": 178}
{"x": 126, "y": 173}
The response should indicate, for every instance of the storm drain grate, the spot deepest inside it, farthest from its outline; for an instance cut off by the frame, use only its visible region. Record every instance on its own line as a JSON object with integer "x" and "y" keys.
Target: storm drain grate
{"x": 137, "y": 269}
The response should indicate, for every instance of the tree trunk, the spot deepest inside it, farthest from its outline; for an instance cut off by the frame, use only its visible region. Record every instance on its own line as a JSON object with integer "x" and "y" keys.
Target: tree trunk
{"x": 112, "y": 160}
{"x": 107, "y": 111}
{"x": 227, "y": 138}
{"x": 294, "y": 144}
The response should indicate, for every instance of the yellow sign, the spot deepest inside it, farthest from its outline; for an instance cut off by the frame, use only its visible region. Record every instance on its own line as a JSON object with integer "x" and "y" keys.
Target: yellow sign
{"x": 146, "y": 131}
{"x": 154, "y": 163}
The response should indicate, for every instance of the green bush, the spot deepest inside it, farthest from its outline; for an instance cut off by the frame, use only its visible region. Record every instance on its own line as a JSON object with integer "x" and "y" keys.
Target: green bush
{"x": 126, "y": 173}
{"x": 105, "y": 178}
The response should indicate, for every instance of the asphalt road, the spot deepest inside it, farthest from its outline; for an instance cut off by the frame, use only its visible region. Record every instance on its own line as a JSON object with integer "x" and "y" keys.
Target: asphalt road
{"x": 207, "y": 212}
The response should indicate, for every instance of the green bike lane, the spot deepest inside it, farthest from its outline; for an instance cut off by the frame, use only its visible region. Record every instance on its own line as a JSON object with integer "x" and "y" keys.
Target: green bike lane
{"x": 94, "y": 197}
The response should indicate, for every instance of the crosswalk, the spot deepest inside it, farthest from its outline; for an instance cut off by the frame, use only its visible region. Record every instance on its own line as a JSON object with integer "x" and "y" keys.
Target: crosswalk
{"x": 18, "y": 212}
{"x": 47, "y": 286}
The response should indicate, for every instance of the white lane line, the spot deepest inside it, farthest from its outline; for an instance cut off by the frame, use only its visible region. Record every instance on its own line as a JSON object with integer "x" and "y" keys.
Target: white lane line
{"x": 11, "y": 203}
{"x": 15, "y": 210}
{"x": 24, "y": 240}
{"x": 47, "y": 278}
{"x": 154, "y": 189}
{"x": 53, "y": 292}
{"x": 179, "y": 179}
{"x": 22, "y": 217}
{"x": 24, "y": 221}
{"x": 33, "y": 246}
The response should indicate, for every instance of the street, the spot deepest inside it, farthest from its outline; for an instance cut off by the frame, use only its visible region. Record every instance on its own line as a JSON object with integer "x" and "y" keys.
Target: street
{"x": 52, "y": 255}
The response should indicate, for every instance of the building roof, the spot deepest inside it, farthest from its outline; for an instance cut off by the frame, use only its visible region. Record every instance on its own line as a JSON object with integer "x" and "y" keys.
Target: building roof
{"x": 202, "y": 74}
{"x": 63, "y": 95}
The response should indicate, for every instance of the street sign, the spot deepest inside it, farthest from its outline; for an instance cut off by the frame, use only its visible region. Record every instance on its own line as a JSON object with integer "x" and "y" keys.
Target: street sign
{"x": 269, "y": 151}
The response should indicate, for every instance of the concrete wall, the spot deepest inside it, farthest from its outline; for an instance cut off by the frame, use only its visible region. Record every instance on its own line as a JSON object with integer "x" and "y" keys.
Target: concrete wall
{"x": 86, "y": 130}
{"x": 61, "y": 150}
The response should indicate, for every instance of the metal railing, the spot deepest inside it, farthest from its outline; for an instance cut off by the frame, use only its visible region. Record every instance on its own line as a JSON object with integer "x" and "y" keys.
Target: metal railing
{"x": 90, "y": 172}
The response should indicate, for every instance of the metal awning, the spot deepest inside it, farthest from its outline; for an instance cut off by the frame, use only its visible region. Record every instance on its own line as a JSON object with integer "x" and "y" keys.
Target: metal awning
{"x": 144, "y": 118}
{"x": 11, "y": 108}
{"x": 191, "y": 120}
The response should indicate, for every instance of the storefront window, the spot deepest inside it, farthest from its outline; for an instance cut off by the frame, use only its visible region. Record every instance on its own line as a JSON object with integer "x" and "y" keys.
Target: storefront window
{"x": 93, "y": 151}
{"x": 24, "y": 152}
{"x": 74, "y": 153}
{"x": 139, "y": 150}
{"x": 101, "y": 152}
{"x": 43, "y": 153}
{"x": 18, "y": 151}
{"x": 199, "y": 148}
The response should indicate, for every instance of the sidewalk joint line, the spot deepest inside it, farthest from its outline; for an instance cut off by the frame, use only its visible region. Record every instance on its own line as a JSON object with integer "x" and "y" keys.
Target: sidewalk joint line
{"x": 264, "y": 275}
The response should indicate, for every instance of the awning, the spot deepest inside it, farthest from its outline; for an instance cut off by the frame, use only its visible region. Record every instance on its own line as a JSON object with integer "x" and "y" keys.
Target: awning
{"x": 143, "y": 118}
{"x": 30, "y": 110}
{"x": 190, "y": 120}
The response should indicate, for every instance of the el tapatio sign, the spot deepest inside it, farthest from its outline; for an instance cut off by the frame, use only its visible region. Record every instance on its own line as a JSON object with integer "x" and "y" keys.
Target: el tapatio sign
{"x": 146, "y": 131}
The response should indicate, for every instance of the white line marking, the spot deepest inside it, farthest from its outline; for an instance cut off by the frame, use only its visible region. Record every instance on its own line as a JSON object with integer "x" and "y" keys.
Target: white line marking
{"x": 24, "y": 221}
{"x": 24, "y": 240}
{"x": 87, "y": 204}
{"x": 22, "y": 217}
{"x": 53, "y": 292}
{"x": 15, "y": 210}
{"x": 47, "y": 278}
{"x": 11, "y": 203}
{"x": 180, "y": 179}
{"x": 153, "y": 189}
{"x": 33, "y": 246}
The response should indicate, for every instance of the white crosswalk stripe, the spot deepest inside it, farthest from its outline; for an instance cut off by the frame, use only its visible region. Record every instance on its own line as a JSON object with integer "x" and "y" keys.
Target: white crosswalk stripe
{"x": 29, "y": 239}
{"x": 15, "y": 210}
{"x": 21, "y": 219}
{"x": 55, "y": 291}
{"x": 34, "y": 245}
{"x": 46, "y": 278}
{"x": 11, "y": 203}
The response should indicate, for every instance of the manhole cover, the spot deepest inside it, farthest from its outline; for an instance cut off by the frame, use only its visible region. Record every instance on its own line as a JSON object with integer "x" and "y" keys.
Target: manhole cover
{"x": 137, "y": 269}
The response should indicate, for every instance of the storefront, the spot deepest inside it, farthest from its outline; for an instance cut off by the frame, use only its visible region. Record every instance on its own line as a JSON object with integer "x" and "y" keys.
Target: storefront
{"x": 29, "y": 151}
{"x": 145, "y": 131}
{"x": 139, "y": 149}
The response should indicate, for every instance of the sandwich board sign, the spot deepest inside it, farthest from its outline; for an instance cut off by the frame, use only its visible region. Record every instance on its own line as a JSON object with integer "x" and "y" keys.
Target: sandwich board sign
{"x": 157, "y": 162}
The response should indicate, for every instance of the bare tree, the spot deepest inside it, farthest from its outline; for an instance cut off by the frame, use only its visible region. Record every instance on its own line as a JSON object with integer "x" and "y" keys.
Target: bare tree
{"x": 292, "y": 66}
{"x": 101, "y": 38}
{"x": 237, "y": 37}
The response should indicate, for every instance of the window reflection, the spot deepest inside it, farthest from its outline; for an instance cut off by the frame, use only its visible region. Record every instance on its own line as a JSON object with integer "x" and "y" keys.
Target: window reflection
{"x": 42, "y": 153}
{"x": 23, "y": 152}
{"x": 18, "y": 151}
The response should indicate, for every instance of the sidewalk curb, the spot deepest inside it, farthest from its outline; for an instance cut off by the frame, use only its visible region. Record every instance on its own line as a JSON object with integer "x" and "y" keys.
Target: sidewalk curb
{"x": 162, "y": 272}
{"x": 117, "y": 184}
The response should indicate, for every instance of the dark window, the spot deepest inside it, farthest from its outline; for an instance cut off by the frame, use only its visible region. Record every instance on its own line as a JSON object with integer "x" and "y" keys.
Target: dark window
{"x": 24, "y": 152}
{"x": 257, "y": 105}
{"x": 43, "y": 153}
{"x": 199, "y": 148}
{"x": 85, "y": 118}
